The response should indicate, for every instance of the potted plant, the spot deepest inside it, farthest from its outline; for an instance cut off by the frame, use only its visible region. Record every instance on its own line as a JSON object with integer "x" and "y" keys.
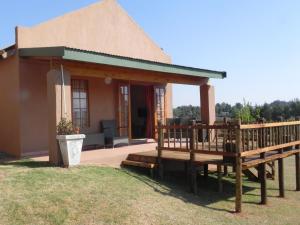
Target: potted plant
{"x": 70, "y": 142}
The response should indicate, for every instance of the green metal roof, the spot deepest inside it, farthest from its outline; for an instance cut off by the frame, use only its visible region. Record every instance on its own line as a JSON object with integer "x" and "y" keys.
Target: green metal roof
{"x": 120, "y": 61}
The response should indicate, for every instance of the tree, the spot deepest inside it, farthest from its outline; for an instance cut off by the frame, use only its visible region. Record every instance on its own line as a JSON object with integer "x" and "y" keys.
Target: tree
{"x": 275, "y": 111}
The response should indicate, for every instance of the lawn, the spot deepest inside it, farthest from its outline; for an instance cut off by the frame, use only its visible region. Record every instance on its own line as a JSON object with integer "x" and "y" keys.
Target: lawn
{"x": 34, "y": 193}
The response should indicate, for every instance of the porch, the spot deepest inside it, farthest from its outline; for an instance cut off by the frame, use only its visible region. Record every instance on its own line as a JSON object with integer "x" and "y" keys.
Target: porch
{"x": 89, "y": 87}
{"x": 109, "y": 157}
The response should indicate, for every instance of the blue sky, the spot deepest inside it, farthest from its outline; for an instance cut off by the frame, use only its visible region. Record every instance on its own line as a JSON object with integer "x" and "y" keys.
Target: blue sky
{"x": 256, "y": 42}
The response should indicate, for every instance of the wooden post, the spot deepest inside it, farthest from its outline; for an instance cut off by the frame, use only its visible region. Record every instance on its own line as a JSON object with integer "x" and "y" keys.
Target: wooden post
{"x": 281, "y": 176}
{"x": 192, "y": 158}
{"x": 297, "y": 157}
{"x": 220, "y": 184}
{"x": 225, "y": 171}
{"x": 205, "y": 170}
{"x": 262, "y": 172}
{"x": 263, "y": 181}
{"x": 238, "y": 171}
{"x": 159, "y": 150}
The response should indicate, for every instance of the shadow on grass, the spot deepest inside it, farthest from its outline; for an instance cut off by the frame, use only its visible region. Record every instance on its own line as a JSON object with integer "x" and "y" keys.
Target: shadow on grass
{"x": 26, "y": 163}
{"x": 177, "y": 186}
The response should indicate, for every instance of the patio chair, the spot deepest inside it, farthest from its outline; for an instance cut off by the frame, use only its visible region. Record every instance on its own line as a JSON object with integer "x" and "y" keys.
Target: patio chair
{"x": 109, "y": 128}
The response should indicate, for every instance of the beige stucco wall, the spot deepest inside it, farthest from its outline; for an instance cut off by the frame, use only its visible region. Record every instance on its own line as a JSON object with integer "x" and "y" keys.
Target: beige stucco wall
{"x": 102, "y": 102}
{"x": 34, "y": 114}
{"x": 169, "y": 101}
{"x": 10, "y": 106}
{"x": 101, "y": 27}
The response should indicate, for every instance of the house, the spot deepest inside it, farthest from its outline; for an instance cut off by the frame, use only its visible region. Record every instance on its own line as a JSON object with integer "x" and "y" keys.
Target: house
{"x": 89, "y": 65}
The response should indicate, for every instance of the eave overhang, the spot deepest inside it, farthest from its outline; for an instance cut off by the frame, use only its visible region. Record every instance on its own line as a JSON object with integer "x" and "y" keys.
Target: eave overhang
{"x": 119, "y": 61}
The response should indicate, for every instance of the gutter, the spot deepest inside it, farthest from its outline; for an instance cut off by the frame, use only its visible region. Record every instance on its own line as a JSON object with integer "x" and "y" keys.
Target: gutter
{"x": 5, "y": 54}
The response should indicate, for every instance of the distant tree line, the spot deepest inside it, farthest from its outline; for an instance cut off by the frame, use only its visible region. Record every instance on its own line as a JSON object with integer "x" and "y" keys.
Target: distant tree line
{"x": 188, "y": 111}
{"x": 275, "y": 111}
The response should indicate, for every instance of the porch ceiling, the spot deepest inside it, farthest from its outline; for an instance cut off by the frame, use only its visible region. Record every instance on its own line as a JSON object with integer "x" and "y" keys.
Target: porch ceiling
{"x": 114, "y": 60}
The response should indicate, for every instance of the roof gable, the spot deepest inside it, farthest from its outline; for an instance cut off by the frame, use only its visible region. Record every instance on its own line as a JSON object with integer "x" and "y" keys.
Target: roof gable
{"x": 101, "y": 27}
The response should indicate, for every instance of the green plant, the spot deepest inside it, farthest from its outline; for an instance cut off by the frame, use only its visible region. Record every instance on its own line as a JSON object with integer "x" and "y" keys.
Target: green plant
{"x": 245, "y": 114}
{"x": 65, "y": 127}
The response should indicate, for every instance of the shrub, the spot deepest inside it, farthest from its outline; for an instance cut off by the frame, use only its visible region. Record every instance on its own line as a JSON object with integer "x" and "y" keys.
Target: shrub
{"x": 65, "y": 127}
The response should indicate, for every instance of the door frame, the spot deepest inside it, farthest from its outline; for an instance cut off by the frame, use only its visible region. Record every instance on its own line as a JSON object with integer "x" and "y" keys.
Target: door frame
{"x": 155, "y": 106}
{"x": 124, "y": 84}
{"x": 154, "y": 110}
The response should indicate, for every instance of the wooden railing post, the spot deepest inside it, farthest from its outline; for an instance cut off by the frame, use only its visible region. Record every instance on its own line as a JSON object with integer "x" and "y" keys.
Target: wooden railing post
{"x": 225, "y": 121}
{"x": 281, "y": 175}
{"x": 262, "y": 171}
{"x": 193, "y": 140}
{"x": 297, "y": 158}
{"x": 238, "y": 170}
{"x": 280, "y": 165}
{"x": 159, "y": 149}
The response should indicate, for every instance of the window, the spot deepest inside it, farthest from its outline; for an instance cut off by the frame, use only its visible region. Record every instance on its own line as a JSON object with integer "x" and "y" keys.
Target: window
{"x": 160, "y": 104}
{"x": 123, "y": 109}
{"x": 80, "y": 104}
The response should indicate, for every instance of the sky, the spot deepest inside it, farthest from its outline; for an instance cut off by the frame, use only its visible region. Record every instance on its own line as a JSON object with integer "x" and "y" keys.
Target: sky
{"x": 256, "y": 42}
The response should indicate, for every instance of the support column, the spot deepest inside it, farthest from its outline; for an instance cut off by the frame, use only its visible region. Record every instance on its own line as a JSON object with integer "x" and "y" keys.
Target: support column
{"x": 57, "y": 109}
{"x": 263, "y": 183}
{"x": 159, "y": 150}
{"x": 208, "y": 104}
{"x": 238, "y": 171}
{"x": 281, "y": 176}
{"x": 297, "y": 158}
{"x": 193, "y": 168}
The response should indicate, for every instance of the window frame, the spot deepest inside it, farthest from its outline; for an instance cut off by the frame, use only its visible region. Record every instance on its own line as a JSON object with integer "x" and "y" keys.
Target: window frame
{"x": 162, "y": 109}
{"x": 87, "y": 103}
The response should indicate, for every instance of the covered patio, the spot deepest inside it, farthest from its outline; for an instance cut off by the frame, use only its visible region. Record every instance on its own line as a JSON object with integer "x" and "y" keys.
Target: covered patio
{"x": 111, "y": 82}
{"x": 108, "y": 157}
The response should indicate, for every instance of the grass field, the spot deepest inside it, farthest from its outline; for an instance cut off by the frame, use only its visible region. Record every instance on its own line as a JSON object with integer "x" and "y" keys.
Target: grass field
{"x": 34, "y": 193}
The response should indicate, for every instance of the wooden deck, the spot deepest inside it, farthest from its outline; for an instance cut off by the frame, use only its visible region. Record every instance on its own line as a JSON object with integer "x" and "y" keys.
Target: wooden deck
{"x": 152, "y": 156}
{"x": 247, "y": 146}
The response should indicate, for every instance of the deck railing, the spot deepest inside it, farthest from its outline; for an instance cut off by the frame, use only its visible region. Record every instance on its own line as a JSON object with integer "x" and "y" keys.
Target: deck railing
{"x": 221, "y": 139}
{"x": 207, "y": 139}
{"x": 241, "y": 145}
{"x": 266, "y": 137}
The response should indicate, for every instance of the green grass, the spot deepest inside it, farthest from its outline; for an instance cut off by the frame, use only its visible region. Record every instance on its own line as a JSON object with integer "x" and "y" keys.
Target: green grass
{"x": 34, "y": 193}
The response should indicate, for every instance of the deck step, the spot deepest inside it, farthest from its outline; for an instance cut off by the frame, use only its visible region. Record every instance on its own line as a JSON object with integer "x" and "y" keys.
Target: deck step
{"x": 251, "y": 176}
{"x": 270, "y": 173}
{"x": 254, "y": 177}
{"x": 139, "y": 164}
{"x": 142, "y": 158}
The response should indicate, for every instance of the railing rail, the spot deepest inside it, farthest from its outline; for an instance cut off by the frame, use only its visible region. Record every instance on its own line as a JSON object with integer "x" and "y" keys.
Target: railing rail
{"x": 266, "y": 137}
{"x": 220, "y": 139}
{"x": 208, "y": 139}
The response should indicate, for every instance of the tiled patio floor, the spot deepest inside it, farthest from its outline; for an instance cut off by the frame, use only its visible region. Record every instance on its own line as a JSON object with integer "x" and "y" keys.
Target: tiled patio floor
{"x": 109, "y": 157}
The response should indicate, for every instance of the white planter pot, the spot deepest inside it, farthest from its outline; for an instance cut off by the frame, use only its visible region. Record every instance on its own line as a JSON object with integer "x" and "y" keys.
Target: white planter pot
{"x": 70, "y": 147}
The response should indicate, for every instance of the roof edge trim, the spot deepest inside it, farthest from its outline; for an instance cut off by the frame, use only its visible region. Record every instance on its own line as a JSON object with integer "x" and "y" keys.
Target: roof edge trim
{"x": 119, "y": 61}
